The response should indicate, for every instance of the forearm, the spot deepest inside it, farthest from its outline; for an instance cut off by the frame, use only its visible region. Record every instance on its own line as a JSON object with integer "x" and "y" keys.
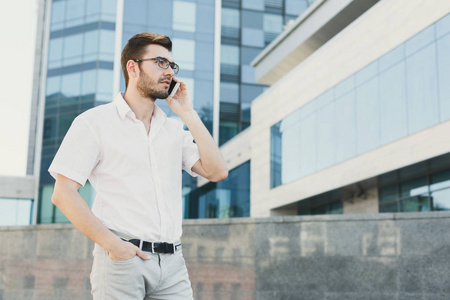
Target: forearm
{"x": 211, "y": 158}
{"x": 78, "y": 212}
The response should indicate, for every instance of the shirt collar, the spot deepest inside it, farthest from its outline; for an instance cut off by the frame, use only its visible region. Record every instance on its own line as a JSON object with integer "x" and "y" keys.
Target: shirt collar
{"x": 123, "y": 109}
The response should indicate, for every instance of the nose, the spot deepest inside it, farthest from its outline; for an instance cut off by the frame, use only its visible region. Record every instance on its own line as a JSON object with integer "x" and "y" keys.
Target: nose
{"x": 169, "y": 72}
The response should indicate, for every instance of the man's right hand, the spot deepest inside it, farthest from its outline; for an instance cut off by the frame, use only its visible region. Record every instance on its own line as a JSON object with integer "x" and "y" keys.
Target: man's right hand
{"x": 125, "y": 250}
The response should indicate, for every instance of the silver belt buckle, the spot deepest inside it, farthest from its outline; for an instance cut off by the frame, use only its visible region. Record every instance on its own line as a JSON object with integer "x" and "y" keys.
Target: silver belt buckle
{"x": 153, "y": 248}
{"x": 141, "y": 242}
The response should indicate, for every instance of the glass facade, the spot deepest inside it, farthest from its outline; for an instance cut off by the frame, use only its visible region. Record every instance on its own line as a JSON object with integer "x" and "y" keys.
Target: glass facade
{"x": 79, "y": 77}
{"x": 224, "y": 199}
{"x": 399, "y": 94}
{"x": 329, "y": 203}
{"x": 248, "y": 26}
{"x": 190, "y": 25}
{"x": 81, "y": 60}
{"x": 424, "y": 186}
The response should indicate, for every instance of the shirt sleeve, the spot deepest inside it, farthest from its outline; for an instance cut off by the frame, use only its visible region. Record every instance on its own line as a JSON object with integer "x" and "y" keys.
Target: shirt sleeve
{"x": 190, "y": 153}
{"x": 78, "y": 154}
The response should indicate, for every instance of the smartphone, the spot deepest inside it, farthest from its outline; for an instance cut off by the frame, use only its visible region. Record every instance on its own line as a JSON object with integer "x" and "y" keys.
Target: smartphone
{"x": 173, "y": 88}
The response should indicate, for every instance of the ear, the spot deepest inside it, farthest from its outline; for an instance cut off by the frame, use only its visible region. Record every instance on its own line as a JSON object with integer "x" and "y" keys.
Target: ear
{"x": 132, "y": 68}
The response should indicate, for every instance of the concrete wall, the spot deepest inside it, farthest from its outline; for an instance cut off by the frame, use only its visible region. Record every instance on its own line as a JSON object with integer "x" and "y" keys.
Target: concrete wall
{"x": 17, "y": 187}
{"x": 379, "y": 256}
{"x": 382, "y": 28}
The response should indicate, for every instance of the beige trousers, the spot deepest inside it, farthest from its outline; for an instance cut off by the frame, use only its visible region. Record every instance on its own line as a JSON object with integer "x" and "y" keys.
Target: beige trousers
{"x": 163, "y": 277}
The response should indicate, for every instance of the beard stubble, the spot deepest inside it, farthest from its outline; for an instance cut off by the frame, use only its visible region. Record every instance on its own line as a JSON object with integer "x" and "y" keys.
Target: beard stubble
{"x": 145, "y": 87}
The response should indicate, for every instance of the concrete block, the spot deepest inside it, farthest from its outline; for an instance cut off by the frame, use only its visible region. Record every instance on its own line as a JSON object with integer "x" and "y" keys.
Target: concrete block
{"x": 289, "y": 295}
{"x": 417, "y": 240}
{"x": 356, "y": 275}
{"x": 435, "y": 275}
{"x": 362, "y": 296}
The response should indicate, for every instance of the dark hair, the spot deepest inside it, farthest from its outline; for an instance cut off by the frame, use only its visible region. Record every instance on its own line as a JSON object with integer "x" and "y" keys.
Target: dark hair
{"x": 136, "y": 47}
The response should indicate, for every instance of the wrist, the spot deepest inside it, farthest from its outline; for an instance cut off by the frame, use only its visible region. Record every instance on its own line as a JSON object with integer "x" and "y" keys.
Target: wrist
{"x": 112, "y": 243}
{"x": 188, "y": 115}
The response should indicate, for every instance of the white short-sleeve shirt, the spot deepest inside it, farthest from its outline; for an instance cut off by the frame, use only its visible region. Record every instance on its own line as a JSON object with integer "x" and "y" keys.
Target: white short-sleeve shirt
{"x": 137, "y": 177}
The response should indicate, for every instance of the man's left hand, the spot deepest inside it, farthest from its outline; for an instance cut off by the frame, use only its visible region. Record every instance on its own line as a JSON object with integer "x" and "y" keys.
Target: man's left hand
{"x": 181, "y": 101}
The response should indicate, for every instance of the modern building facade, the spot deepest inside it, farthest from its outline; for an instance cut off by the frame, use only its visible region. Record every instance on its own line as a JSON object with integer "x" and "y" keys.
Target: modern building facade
{"x": 355, "y": 121}
{"x": 80, "y": 42}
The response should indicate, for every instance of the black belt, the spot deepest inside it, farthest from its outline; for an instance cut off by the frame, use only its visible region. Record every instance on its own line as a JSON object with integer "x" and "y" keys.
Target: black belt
{"x": 156, "y": 247}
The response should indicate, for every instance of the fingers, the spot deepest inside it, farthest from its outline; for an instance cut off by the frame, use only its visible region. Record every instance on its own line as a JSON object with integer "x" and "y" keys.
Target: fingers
{"x": 142, "y": 254}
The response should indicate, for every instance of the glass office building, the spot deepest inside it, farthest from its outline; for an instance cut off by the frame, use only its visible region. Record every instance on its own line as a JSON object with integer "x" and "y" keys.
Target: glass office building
{"x": 401, "y": 93}
{"x": 81, "y": 67}
{"x": 248, "y": 26}
{"x": 79, "y": 76}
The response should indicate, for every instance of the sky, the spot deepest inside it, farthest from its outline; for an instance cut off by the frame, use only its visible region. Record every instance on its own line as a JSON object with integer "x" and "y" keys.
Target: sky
{"x": 17, "y": 43}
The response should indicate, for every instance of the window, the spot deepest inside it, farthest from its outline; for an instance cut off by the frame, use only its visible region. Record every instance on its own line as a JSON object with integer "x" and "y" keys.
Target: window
{"x": 420, "y": 187}
{"x": 440, "y": 190}
{"x": 55, "y": 50}
{"x": 443, "y": 48}
{"x": 252, "y": 19}
{"x": 70, "y": 85}
{"x": 88, "y": 82}
{"x": 227, "y": 130}
{"x": 273, "y": 23}
{"x": 393, "y": 97}
{"x": 229, "y": 92}
{"x": 15, "y": 212}
{"x": 107, "y": 42}
{"x": 92, "y": 7}
{"x": 58, "y": 12}
{"x": 229, "y": 55}
{"x": 296, "y": 7}
{"x": 231, "y": 18}
{"x": 104, "y": 87}
{"x": 73, "y": 46}
{"x": 226, "y": 199}
{"x": 108, "y": 10}
{"x": 323, "y": 204}
{"x": 184, "y": 16}
{"x": 75, "y": 10}
{"x": 53, "y": 85}
{"x": 91, "y": 43}
{"x": 184, "y": 53}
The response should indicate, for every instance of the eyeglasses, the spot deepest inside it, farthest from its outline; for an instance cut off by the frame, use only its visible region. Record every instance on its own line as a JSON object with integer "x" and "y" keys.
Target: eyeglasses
{"x": 162, "y": 63}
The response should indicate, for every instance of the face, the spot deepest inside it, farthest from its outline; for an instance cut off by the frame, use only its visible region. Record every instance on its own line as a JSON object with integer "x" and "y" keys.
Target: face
{"x": 153, "y": 81}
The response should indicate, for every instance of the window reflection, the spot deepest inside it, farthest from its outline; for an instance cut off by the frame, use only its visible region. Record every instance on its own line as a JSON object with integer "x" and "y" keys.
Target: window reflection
{"x": 184, "y": 53}
{"x": 226, "y": 199}
{"x": 73, "y": 46}
{"x": 229, "y": 55}
{"x": 58, "y": 11}
{"x": 429, "y": 192}
{"x": 231, "y": 18}
{"x": 70, "y": 85}
{"x": 55, "y": 49}
{"x": 184, "y": 16}
{"x": 107, "y": 42}
{"x": 75, "y": 9}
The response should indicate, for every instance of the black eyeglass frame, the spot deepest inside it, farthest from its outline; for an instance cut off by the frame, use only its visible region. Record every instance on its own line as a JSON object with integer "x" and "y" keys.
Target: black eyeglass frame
{"x": 160, "y": 59}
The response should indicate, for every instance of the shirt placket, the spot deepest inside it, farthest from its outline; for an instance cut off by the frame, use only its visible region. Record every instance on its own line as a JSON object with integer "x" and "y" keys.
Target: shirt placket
{"x": 158, "y": 192}
{"x": 156, "y": 182}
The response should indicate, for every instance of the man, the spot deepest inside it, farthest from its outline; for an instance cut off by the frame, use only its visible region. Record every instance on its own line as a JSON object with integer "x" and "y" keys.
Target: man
{"x": 133, "y": 155}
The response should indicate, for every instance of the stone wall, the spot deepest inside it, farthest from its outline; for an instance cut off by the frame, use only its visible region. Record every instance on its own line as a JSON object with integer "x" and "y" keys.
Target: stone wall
{"x": 380, "y": 256}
